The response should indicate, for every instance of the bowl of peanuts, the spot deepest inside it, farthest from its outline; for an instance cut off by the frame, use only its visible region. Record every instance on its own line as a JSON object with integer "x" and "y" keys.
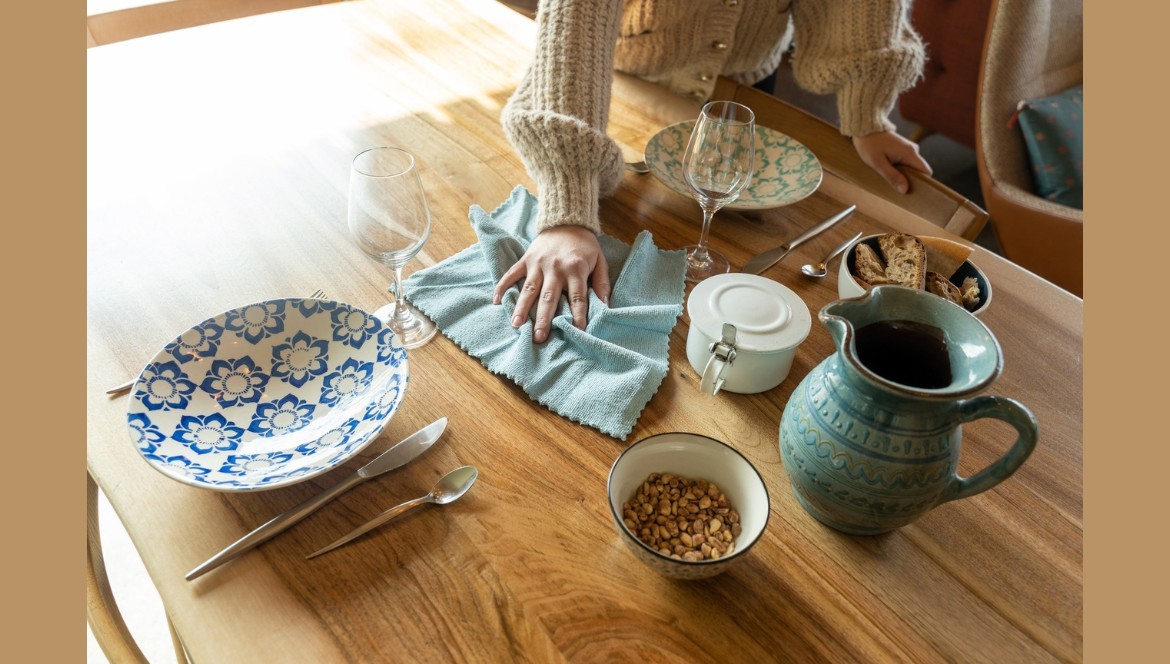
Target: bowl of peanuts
{"x": 686, "y": 505}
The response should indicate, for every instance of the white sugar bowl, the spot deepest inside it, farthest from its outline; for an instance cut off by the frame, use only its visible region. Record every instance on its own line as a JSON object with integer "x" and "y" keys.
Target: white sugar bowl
{"x": 744, "y": 332}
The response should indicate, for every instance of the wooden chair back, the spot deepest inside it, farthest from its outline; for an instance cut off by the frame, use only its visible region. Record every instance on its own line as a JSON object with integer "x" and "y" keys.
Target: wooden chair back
{"x": 928, "y": 198}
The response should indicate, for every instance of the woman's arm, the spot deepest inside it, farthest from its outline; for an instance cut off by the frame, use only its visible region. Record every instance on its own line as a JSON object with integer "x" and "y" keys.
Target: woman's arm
{"x": 867, "y": 53}
{"x": 557, "y": 117}
{"x": 556, "y": 120}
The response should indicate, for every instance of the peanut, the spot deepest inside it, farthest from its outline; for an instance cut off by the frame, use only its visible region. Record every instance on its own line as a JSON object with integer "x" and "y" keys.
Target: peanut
{"x": 681, "y": 518}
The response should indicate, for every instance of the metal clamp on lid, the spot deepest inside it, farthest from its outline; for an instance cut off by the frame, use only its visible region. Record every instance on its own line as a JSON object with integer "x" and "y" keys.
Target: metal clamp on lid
{"x": 722, "y": 356}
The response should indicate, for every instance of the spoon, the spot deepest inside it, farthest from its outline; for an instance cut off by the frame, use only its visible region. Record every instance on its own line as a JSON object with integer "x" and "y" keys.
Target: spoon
{"x": 448, "y": 489}
{"x": 821, "y": 269}
{"x": 638, "y": 167}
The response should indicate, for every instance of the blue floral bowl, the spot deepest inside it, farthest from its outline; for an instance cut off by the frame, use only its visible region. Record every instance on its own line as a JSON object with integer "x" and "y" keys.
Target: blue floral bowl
{"x": 267, "y": 395}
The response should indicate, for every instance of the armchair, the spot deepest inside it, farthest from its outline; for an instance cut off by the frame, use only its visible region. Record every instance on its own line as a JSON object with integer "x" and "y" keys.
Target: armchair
{"x": 1033, "y": 49}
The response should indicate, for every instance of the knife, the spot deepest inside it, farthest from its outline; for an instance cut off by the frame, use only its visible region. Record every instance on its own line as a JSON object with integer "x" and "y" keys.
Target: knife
{"x": 769, "y": 258}
{"x": 398, "y": 455}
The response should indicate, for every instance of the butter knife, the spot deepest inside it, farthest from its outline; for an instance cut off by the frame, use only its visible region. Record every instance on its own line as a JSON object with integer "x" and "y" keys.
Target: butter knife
{"x": 395, "y": 457}
{"x": 769, "y": 258}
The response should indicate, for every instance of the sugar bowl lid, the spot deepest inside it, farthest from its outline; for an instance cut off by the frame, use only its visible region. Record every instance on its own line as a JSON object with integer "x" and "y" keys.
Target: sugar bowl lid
{"x": 768, "y": 315}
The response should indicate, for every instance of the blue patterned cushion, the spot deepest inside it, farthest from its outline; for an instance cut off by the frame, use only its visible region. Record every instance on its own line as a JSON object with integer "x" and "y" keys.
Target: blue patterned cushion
{"x": 1053, "y": 129}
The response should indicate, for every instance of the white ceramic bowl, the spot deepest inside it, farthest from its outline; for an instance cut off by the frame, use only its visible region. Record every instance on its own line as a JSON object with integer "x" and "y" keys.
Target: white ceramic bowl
{"x": 267, "y": 395}
{"x": 847, "y": 285}
{"x": 694, "y": 457}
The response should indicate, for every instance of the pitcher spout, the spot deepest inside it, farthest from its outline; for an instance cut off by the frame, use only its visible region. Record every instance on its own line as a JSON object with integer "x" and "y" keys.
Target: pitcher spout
{"x": 843, "y": 317}
{"x": 913, "y": 342}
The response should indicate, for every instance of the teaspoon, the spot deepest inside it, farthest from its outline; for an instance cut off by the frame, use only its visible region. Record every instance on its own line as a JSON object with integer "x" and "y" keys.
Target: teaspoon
{"x": 821, "y": 269}
{"x": 448, "y": 489}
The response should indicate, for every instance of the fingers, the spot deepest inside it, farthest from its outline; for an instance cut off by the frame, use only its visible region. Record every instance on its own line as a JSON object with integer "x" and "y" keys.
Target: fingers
{"x": 893, "y": 176}
{"x": 600, "y": 279}
{"x": 578, "y": 301}
{"x": 546, "y": 308}
{"x": 527, "y": 298}
{"x": 510, "y": 277}
{"x": 914, "y": 160}
{"x": 883, "y": 150}
{"x": 561, "y": 260}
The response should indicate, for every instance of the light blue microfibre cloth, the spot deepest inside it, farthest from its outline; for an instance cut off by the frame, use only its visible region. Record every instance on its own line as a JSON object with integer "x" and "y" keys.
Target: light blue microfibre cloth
{"x": 602, "y": 376}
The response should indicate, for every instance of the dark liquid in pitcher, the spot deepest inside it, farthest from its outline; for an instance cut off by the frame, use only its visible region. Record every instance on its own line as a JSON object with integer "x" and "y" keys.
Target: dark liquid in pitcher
{"x": 905, "y": 352}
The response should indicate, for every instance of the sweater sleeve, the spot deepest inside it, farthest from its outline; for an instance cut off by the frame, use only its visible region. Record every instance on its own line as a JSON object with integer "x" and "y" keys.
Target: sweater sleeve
{"x": 864, "y": 51}
{"x": 557, "y": 117}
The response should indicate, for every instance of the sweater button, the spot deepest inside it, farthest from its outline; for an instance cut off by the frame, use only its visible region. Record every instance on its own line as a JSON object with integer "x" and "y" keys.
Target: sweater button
{"x": 719, "y": 45}
{"x": 731, "y": 3}
{"x": 698, "y": 95}
{"x": 704, "y": 77}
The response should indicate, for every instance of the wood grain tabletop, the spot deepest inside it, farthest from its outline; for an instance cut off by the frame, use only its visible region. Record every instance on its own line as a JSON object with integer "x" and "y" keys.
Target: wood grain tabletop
{"x": 218, "y": 161}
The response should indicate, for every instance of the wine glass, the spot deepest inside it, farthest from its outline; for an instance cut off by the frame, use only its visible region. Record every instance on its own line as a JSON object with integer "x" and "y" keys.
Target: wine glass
{"x": 718, "y": 165}
{"x": 390, "y": 221}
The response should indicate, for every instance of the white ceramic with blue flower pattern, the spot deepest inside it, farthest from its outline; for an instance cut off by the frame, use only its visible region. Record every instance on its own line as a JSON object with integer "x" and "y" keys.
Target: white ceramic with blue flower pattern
{"x": 267, "y": 395}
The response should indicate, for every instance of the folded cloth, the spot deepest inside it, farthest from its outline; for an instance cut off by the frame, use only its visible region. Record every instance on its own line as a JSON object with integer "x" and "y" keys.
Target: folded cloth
{"x": 602, "y": 376}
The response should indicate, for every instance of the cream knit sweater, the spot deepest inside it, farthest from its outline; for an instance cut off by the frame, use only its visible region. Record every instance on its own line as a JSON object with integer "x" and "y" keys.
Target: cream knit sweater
{"x": 864, "y": 51}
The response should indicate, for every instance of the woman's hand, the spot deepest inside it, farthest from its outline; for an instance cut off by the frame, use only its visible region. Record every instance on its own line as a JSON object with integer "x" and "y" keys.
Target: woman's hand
{"x": 561, "y": 259}
{"x": 884, "y": 149}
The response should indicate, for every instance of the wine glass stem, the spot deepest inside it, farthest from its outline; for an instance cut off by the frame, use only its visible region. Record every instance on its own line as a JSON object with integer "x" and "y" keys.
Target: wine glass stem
{"x": 700, "y": 253}
{"x": 401, "y": 314}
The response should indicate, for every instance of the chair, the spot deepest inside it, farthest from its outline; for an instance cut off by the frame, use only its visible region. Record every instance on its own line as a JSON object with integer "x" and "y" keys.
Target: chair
{"x": 928, "y": 198}
{"x": 1033, "y": 49}
{"x": 101, "y": 609}
{"x": 943, "y": 101}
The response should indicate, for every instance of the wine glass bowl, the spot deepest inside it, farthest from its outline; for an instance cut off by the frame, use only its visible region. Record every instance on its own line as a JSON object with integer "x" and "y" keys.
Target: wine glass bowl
{"x": 390, "y": 221}
{"x": 717, "y": 165}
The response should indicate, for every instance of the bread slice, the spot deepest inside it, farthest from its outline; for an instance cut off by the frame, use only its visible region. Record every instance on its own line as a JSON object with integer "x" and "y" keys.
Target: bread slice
{"x": 970, "y": 293}
{"x": 868, "y": 266}
{"x": 944, "y": 256}
{"x": 905, "y": 259}
{"x": 942, "y": 287}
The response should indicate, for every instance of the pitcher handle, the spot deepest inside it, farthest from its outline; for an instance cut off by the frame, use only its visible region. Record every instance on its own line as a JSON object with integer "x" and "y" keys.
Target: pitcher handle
{"x": 1015, "y": 414}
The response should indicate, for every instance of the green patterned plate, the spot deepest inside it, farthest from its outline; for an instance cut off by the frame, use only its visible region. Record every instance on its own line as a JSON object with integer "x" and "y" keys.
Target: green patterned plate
{"x": 786, "y": 171}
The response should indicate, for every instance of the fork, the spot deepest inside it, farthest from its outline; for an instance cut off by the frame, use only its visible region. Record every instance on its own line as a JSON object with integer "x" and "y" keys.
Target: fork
{"x": 118, "y": 390}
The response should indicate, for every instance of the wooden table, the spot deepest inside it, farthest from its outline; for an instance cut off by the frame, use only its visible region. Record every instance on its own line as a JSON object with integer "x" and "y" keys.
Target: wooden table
{"x": 218, "y": 165}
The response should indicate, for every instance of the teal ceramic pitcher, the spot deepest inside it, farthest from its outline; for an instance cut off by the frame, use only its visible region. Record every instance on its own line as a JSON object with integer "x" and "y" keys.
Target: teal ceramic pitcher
{"x": 871, "y": 436}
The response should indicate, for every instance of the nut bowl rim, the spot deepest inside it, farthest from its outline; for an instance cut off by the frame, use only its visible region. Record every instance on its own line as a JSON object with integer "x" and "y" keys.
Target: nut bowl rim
{"x": 693, "y": 564}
